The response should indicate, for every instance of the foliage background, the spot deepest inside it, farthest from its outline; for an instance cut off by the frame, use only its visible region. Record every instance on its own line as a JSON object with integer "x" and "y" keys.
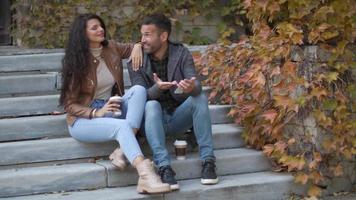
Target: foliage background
{"x": 296, "y": 104}
{"x": 270, "y": 76}
{"x": 44, "y": 23}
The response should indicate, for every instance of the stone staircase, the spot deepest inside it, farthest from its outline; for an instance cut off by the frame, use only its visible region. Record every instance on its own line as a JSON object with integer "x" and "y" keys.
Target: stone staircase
{"x": 39, "y": 159}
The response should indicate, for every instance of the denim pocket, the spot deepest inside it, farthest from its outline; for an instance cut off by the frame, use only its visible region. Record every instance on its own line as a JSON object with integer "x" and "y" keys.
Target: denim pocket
{"x": 97, "y": 103}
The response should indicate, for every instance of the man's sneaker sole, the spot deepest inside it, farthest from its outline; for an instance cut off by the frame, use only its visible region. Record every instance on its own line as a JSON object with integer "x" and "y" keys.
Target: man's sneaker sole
{"x": 209, "y": 181}
{"x": 174, "y": 187}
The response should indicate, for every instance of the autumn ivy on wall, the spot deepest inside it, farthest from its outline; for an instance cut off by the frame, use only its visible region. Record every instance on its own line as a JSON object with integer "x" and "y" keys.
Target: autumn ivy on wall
{"x": 44, "y": 23}
{"x": 269, "y": 89}
{"x": 259, "y": 75}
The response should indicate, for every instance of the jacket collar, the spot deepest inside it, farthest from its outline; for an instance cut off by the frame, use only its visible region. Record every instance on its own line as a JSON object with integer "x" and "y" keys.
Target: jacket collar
{"x": 174, "y": 53}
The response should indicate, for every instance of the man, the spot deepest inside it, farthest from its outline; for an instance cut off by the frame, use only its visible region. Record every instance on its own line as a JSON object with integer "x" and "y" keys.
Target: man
{"x": 175, "y": 99}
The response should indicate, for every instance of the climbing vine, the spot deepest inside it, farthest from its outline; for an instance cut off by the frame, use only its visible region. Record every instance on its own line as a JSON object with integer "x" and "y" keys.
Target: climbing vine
{"x": 270, "y": 77}
{"x": 45, "y": 23}
{"x": 274, "y": 82}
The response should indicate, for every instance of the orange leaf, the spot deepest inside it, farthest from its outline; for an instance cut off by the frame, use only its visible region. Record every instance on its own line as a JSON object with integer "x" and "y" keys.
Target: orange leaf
{"x": 246, "y": 77}
{"x": 276, "y": 71}
{"x": 286, "y": 102}
{"x": 282, "y": 101}
{"x": 313, "y": 165}
{"x": 233, "y": 112}
{"x": 290, "y": 68}
{"x": 291, "y": 141}
{"x": 318, "y": 93}
{"x": 247, "y": 4}
{"x": 273, "y": 7}
{"x": 317, "y": 156}
{"x": 280, "y": 146}
{"x": 297, "y": 38}
{"x": 301, "y": 178}
{"x": 295, "y": 163}
{"x": 277, "y": 131}
{"x": 316, "y": 177}
{"x": 262, "y": 3}
{"x": 329, "y": 145}
{"x": 270, "y": 115}
{"x": 268, "y": 149}
{"x": 301, "y": 163}
{"x": 338, "y": 171}
{"x": 314, "y": 191}
{"x": 259, "y": 80}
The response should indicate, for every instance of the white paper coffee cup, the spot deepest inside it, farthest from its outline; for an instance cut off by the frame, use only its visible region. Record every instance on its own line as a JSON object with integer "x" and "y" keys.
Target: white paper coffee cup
{"x": 117, "y": 99}
{"x": 180, "y": 149}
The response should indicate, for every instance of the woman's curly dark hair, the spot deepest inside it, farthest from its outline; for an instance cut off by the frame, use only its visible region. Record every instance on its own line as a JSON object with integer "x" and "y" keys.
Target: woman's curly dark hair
{"x": 75, "y": 62}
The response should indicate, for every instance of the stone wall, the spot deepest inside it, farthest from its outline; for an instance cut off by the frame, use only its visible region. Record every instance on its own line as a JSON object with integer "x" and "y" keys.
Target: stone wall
{"x": 208, "y": 27}
{"x": 305, "y": 129}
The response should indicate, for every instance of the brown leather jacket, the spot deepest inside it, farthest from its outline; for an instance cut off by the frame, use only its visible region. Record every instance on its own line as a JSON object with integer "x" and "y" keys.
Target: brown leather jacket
{"x": 79, "y": 98}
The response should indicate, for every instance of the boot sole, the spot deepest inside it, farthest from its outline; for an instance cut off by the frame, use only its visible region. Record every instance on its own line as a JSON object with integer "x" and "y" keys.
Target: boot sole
{"x": 153, "y": 190}
{"x": 174, "y": 187}
{"x": 209, "y": 181}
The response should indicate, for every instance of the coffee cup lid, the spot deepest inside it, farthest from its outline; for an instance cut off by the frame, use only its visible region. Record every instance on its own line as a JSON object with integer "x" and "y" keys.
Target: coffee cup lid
{"x": 180, "y": 142}
{"x": 116, "y": 98}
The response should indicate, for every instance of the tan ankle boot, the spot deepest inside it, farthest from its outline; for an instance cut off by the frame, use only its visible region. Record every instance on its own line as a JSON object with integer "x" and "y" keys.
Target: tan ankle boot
{"x": 149, "y": 181}
{"x": 118, "y": 159}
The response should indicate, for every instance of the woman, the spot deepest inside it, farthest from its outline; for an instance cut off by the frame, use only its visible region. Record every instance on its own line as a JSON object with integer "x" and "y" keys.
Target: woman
{"x": 92, "y": 73}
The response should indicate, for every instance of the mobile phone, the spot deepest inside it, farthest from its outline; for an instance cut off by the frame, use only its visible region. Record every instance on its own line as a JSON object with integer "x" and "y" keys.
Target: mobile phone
{"x": 178, "y": 91}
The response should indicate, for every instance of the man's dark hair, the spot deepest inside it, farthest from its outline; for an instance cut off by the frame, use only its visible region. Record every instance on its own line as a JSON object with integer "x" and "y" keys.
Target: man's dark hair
{"x": 161, "y": 21}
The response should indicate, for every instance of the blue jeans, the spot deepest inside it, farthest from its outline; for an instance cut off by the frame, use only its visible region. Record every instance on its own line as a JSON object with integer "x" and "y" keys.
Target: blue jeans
{"x": 194, "y": 111}
{"x": 108, "y": 128}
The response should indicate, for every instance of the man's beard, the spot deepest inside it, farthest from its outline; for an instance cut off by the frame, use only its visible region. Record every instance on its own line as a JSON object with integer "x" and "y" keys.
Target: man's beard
{"x": 152, "y": 49}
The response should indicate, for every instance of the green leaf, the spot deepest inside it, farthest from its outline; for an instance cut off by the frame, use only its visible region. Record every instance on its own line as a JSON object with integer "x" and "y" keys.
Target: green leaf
{"x": 351, "y": 89}
{"x": 332, "y": 76}
{"x": 301, "y": 100}
{"x": 329, "y": 35}
{"x": 353, "y": 64}
{"x": 330, "y": 104}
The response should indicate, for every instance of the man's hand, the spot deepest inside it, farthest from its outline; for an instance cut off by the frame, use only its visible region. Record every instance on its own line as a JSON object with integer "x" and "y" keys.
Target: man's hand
{"x": 163, "y": 85}
{"x": 187, "y": 85}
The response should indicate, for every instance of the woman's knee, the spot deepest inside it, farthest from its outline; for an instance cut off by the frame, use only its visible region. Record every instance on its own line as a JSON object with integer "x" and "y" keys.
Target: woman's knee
{"x": 122, "y": 128}
{"x": 139, "y": 89}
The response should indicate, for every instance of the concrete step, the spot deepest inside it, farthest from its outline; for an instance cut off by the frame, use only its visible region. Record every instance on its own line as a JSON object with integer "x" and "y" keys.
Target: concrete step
{"x": 28, "y": 83}
{"x": 47, "y": 61}
{"x": 14, "y": 182}
{"x": 24, "y": 128}
{"x": 32, "y": 105}
{"x": 52, "y": 126}
{"x": 35, "y": 151}
{"x": 252, "y": 186}
{"x": 35, "y": 105}
{"x": 13, "y": 84}
{"x": 33, "y": 62}
{"x": 229, "y": 161}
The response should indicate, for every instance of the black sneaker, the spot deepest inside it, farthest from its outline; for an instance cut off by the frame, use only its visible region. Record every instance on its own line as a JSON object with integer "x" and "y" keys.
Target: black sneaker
{"x": 167, "y": 176}
{"x": 208, "y": 174}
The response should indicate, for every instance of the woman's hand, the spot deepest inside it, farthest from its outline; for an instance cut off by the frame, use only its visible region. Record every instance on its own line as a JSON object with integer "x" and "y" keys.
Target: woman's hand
{"x": 110, "y": 106}
{"x": 136, "y": 56}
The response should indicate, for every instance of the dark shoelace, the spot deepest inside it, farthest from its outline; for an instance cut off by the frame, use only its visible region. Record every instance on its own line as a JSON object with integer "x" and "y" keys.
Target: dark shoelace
{"x": 166, "y": 171}
{"x": 209, "y": 165}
